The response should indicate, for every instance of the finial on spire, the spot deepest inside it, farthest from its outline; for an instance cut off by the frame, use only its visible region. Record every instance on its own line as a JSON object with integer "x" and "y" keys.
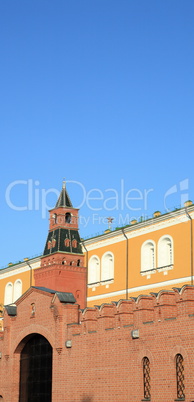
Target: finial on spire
{"x": 64, "y": 182}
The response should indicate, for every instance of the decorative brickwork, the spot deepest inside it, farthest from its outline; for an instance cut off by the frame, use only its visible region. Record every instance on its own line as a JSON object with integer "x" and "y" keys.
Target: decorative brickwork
{"x": 95, "y": 355}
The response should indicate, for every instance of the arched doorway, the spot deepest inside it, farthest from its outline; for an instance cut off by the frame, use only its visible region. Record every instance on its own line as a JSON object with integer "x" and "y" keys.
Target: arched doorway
{"x": 36, "y": 370}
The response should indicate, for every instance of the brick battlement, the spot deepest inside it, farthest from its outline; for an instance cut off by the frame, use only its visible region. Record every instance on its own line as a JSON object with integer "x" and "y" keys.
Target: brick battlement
{"x": 153, "y": 308}
{"x": 156, "y": 307}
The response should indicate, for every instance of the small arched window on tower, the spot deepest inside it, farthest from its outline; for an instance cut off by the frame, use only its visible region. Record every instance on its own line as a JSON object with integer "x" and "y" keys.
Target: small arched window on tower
{"x": 67, "y": 242}
{"x": 94, "y": 270}
{"x": 53, "y": 242}
{"x": 147, "y": 257}
{"x": 180, "y": 377}
{"x": 67, "y": 217}
{"x": 74, "y": 243}
{"x": 33, "y": 309}
{"x": 107, "y": 269}
{"x": 165, "y": 252}
{"x": 49, "y": 245}
{"x": 8, "y": 298}
{"x": 54, "y": 218}
{"x": 146, "y": 379}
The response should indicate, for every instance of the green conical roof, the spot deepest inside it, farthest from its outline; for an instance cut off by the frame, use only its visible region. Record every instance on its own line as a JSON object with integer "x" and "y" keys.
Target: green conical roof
{"x": 64, "y": 200}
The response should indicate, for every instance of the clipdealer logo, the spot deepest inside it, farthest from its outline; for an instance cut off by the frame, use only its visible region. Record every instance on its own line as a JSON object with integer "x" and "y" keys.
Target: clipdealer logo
{"x": 181, "y": 188}
{"x": 97, "y": 201}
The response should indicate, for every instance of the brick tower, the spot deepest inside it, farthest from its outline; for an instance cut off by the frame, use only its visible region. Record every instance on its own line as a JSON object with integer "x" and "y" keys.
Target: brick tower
{"x": 62, "y": 264}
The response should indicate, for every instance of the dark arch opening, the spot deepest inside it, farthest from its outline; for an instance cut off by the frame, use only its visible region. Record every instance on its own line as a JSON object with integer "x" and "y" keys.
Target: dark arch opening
{"x": 36, "y": 370}
{"x": 67, "y": 217}
{"x": 55, "y": 218}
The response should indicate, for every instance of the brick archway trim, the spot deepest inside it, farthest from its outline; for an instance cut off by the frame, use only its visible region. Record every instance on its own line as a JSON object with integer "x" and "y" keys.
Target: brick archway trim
{"x": 32, "y": 329}
{"x": 147, "y": 353}
{"x": 178, "y": 349}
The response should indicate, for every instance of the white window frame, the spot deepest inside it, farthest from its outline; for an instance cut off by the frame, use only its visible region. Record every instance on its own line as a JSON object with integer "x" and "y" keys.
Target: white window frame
{"x": 151, "y": 268}
{"x": 165, "y": 267}
{"x": 95, "y": 283}
{"x": 6, "y": 301}
{"x": 110, "y": 277}
{"x": 17, "y": 294}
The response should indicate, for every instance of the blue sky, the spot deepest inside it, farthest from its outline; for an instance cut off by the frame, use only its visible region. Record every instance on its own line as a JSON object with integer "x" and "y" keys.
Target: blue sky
{"x": 100, "y": 92}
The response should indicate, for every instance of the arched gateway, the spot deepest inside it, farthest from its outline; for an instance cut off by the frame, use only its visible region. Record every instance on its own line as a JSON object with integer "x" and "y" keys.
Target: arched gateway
{"x": 36, "y": 370}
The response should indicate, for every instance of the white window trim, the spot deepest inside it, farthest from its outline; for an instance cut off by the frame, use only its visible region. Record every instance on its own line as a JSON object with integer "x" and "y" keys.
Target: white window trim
{"x": 170, "y": 266}
{"x": 20, "y": 281}
{"x": 111, "y": 280}
{"x": 94, "y": 284}
{"x": 148, "y": 272}
{"x": 6, "y": 286}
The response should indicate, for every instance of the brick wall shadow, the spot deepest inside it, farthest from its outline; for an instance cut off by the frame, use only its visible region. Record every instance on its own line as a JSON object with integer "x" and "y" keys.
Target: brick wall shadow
{"x": 86, "y": 399}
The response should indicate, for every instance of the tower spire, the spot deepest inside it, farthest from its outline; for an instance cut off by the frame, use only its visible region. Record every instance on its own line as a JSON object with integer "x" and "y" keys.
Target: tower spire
{"x": 62, "y": 264}
{"x": 64, "y": 199}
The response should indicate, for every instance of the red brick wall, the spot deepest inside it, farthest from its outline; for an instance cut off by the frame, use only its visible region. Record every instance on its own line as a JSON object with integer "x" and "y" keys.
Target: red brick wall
{"x": 104, "y": 363}
{"x": 64, "y": 278}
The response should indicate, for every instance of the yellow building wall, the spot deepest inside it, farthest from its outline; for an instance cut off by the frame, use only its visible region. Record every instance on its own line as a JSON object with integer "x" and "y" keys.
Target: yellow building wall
{"x": 119, "y": 251}
{"x": 176, "y": 226}
{"x": 18, "y": 272}
{"x": 181, "y": 235}
{"x": 137, "y": 283}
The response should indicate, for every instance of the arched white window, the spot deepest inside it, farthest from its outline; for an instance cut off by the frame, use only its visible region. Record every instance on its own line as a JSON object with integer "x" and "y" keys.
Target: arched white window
{"x": 8, "y": 298}
{"x": 148, "y": 256}
{"x": 94, "y": 270}
{"x": 17, "y": 290}
{"x": 107, "y": 267}
{"x": 165, "y": 251}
